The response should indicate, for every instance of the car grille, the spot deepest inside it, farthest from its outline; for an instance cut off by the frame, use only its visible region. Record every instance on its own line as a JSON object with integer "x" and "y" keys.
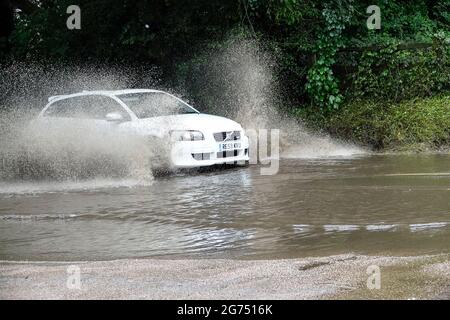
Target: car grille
{"x": 201, "y": 156}
{"x": 222, "y": 136}
{"x": 227, "y": 154}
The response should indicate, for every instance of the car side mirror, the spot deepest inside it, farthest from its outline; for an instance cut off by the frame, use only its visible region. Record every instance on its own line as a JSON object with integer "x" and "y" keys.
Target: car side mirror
{"x": 114, "y": 117}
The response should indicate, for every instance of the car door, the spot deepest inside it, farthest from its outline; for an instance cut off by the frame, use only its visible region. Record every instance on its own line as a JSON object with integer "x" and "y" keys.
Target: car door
{"x": 61, "y": 115}
{"x": 81, "y": 113}
{"x": 95, "y": 109}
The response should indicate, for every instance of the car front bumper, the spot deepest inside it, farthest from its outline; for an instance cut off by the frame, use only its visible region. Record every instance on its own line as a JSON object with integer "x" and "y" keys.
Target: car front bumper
{"x": 191, "y": 154}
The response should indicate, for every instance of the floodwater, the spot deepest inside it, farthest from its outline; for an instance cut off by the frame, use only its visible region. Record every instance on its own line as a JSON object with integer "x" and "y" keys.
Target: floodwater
{"x": 369, "y": 204}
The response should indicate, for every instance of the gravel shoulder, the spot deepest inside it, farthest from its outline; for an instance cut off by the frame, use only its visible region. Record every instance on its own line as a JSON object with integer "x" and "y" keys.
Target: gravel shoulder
{"x": 333, "y": 277}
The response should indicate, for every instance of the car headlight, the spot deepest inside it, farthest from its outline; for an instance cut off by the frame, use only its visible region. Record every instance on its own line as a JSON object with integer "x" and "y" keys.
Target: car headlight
{"x": 186, "y": 135}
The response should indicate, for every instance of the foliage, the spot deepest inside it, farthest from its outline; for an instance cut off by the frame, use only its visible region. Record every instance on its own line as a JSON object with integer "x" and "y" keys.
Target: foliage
{"x": 322, "y": 85}
{"x": 158, "y": 31}
{"x": 394, "y": 74}
{"x": 413, "y": 124}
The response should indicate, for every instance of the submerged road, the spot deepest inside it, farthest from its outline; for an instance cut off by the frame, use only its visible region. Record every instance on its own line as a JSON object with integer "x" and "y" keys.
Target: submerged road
{"x": 370, "y": 204}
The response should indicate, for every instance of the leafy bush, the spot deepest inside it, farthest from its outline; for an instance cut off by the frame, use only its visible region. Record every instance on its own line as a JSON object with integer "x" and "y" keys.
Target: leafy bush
{"x": 414, "y": 124}
{"x": 322, "y": 85}
{"x": 397, "y": 74}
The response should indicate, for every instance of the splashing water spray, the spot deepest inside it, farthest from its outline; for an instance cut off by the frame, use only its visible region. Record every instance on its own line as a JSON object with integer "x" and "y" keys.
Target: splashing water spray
{"x": 239, "y": 82}
{"x": 29, "y": 152}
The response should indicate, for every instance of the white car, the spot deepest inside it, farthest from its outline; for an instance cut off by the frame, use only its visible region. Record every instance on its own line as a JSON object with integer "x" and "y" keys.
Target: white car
{"x": 195, "y": 139}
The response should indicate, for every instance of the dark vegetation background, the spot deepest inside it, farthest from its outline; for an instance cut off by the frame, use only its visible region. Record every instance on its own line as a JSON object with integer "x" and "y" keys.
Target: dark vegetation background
{"x": 386, "y": 88}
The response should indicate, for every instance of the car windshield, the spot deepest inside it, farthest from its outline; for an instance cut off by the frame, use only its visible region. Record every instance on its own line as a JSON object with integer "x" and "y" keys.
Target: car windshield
{"x": 154, "y": 104}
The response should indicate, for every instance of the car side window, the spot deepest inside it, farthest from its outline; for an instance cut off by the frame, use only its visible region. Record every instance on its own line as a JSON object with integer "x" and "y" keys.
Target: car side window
{"x": 60, "y": 108}
{"x": 75, "y": 107}
{"x": 86, "y": 107}
{"x": 97, "y": 107}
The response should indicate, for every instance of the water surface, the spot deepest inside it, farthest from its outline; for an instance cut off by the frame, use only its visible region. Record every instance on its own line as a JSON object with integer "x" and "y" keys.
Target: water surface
{"x": 373, "y": 204}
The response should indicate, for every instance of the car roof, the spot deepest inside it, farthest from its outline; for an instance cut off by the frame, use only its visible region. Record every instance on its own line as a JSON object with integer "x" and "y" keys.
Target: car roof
{"x": 123, "y": 91}
{"x": 102, "y": 92}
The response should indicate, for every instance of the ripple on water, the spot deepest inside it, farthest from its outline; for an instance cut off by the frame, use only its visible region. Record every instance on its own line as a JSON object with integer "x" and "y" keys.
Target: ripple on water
{"x": 367, "y": 204}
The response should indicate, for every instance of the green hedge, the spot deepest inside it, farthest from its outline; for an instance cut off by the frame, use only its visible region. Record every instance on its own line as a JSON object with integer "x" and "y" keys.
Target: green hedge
{"x": 395, "y": 74}
{"x": 417, "y": 124}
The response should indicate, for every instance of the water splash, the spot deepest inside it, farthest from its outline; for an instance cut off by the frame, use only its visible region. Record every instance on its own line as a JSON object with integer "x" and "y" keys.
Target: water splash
{"x": 239, "y": 82}
{"x": 30, "y": 152}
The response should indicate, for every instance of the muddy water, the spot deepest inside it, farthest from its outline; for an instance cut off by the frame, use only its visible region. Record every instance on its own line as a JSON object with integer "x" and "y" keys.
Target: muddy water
{"x": 373, "y": 204}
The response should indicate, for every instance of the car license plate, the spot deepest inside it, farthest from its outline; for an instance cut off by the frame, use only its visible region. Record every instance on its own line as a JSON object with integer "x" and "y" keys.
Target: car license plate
{"x": 227, "y": 146}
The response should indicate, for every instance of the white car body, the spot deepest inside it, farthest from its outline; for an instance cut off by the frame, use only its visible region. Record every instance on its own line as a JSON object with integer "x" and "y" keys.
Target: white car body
{"x": 224, "y": 140}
